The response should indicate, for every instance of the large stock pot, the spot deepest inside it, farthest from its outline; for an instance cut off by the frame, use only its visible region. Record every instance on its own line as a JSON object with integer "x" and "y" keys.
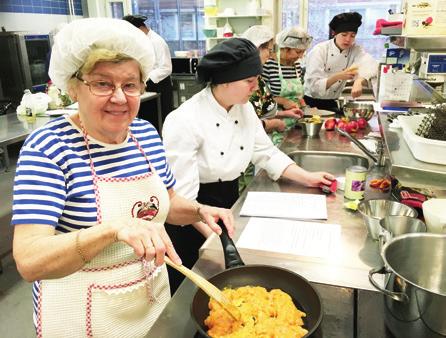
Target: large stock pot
{"x": 415, "y": 290}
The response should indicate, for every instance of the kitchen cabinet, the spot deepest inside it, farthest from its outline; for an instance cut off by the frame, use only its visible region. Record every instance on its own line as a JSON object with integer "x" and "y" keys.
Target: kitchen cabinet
{"x": 240, "y": 15}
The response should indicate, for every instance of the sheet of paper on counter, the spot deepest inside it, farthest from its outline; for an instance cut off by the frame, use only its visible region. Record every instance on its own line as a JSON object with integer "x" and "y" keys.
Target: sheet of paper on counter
{"x": 291, "y": 237}
{"x": 284, "y": 205}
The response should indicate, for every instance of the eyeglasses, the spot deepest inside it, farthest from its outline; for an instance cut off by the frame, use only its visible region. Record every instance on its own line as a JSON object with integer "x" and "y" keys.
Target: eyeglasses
{"x": 105, "y": 88}
{"x": 301, "y": 39}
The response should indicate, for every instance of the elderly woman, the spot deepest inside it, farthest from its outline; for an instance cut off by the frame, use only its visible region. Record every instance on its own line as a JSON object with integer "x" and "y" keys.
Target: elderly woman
{"x": 332, "y": 63}
{"x": 208, "y": 155}
{"x": 92, "y": 191}
{"x": 283, "y": 73}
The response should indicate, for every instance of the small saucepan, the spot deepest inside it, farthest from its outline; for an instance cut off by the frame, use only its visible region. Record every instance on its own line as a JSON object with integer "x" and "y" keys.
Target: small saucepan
{"x": 237, "y": 274}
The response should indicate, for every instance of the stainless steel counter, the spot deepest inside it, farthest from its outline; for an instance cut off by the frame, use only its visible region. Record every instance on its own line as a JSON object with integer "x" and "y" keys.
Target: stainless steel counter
{"x": 348, "y": 270}
{"x": 408, "y": 169}
{"x": 358, "y": 253}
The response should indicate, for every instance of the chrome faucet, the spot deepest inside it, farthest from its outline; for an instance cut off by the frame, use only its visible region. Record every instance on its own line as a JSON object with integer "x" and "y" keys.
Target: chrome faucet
{"x": 377, "y": 157}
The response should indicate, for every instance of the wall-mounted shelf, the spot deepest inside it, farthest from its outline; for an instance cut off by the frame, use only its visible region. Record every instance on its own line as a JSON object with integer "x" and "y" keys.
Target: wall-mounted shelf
{"x": 238, "y": 16}
{"x": 426, "y": 43}
{"x": 220, "y": 38}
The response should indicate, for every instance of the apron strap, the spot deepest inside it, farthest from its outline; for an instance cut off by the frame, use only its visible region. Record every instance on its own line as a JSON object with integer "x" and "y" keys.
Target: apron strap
{"x": 152, "y": 168}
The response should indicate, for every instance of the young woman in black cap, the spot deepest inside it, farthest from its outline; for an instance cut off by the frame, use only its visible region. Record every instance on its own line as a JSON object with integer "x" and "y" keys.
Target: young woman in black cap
{"x": 212, "y": 137}
{"x": 331, "y": 63}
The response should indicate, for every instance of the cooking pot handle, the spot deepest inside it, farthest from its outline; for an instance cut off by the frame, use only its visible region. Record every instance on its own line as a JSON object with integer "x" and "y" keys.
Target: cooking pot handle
{"x": 398, "y": 296}
{"x": 232, "y": 257}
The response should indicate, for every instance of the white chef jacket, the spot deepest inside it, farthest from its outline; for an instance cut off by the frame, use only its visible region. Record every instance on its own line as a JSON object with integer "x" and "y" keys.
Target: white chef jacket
{"x": 324, "y": 60}
{"x": 163, "y": 63}
{"x": 205, "y": 143}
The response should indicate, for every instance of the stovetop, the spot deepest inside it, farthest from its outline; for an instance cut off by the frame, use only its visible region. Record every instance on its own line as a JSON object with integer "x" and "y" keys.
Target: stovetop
{"x": 351, "y": 313}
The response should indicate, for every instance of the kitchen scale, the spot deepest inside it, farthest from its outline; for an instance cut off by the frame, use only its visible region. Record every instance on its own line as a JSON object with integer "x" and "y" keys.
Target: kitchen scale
{"x": 433, "y": 69}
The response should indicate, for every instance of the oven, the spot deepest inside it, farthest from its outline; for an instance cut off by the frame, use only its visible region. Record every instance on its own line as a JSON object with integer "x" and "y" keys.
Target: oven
{"x": 184, "y": 80}
{"x": 23, "y": 63}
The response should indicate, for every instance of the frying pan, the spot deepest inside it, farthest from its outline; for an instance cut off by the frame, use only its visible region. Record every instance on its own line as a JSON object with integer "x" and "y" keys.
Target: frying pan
{"x": 237, "y": 274}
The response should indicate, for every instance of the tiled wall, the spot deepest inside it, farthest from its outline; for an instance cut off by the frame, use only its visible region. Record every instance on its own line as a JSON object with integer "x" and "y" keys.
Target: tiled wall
{"x": 40, "y": 6}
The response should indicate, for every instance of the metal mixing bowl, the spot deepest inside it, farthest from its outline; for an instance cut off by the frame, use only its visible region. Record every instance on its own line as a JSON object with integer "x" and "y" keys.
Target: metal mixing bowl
{"x": 310, "y": 129}
{"x": 355, "y": 110}
{"x": 373, "y": 211}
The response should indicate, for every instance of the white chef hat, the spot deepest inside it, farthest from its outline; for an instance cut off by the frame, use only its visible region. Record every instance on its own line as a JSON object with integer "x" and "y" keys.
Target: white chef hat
{"x": 76, "y": 40}
{"x": 258, "y": 34}
{"x": 293, "y": 37}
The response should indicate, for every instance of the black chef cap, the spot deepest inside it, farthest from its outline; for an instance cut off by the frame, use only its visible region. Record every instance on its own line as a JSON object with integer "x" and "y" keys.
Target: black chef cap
{"x": 231, "y": 60}
{"x": 346, "y": 22}
{"x": 136, "y": 20}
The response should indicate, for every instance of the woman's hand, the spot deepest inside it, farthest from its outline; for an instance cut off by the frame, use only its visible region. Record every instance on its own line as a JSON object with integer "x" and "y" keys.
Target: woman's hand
{"x": 148, "y": 240}
{"x": 346, "y": 74}
{"x": 295, "y": 113}
{"x": 357, "y": 88}
{"x": 316, "y": 178}
{"x": 274, "y": 124}
{"x": 211, "y": 215}
{"x": 289, "y": 104}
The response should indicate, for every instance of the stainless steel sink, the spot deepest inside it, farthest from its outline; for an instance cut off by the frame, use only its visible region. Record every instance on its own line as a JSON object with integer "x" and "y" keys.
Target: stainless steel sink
{"x": 333, "y": 162}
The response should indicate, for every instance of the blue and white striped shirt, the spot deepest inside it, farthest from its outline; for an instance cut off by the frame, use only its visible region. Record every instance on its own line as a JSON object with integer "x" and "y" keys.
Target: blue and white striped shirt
{"x": 54, "y": 185}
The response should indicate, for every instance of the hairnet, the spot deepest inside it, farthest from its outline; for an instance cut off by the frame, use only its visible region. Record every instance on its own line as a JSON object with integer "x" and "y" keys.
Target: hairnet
{"x": 76, "y": 40}
{"x": 294, "y": 37}
{"x": 258, "y": 34}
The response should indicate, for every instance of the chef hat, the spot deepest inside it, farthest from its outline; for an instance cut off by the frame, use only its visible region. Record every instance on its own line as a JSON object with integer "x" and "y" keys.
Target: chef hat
{"x": 258, "y": 34}
{"x": 293, "y": 37}
{"x": 136, "y": 20}
{"x": 231, "y": 60}
{"x": 346, "y": 22}
{"x": 79, "y": 38}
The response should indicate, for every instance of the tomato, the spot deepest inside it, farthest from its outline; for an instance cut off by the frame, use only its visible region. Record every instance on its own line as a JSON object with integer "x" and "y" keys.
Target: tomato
{"x": 342, "y": 125}
{"x": 352, "y": 127}
{"x": 362, "y": 123}
{"x": 330, "y": 124}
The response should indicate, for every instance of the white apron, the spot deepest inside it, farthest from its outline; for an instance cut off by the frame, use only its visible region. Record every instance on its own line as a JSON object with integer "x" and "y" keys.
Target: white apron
{"x": 117, "y": 294}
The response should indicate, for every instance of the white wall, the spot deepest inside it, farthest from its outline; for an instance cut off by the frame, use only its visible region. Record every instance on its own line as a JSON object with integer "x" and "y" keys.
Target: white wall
{"x": 36, "y": 23}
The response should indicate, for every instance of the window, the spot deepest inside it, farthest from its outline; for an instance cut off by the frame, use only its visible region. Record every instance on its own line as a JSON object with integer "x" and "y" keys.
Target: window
{"x": 179, "y": 22}
{"x": 116, "y": 9}
{"x": 290, "y": 13}
{"x": 320, "y": 12}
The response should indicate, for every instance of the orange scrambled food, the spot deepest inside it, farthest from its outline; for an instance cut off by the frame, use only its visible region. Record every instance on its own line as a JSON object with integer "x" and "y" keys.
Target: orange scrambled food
{"x": 263, "y": 314}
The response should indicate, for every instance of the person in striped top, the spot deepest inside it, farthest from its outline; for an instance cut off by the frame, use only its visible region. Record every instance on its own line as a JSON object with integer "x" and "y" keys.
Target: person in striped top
{"x": 283, "y": 74}
{"x": 93, "y": 190}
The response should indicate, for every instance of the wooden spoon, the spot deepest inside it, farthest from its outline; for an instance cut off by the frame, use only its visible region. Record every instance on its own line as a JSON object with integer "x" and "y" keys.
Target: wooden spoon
{"x": 210, "y": 289}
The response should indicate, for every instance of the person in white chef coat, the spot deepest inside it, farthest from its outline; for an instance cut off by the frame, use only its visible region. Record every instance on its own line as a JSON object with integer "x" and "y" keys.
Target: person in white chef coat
{"x": 330, "y": 64}
{"x": 92, "y": 191}
{"x": 212, "y": 137}
{"x": 159, "y": 77}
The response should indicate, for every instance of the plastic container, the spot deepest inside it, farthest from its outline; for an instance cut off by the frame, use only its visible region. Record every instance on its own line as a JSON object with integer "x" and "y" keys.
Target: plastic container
{"x": 423, "y": 149}
{"x": 210, "y": 32}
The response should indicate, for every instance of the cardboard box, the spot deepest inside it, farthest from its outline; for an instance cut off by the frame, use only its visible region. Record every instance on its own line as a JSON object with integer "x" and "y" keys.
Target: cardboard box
{"x": 424, "y": 17}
